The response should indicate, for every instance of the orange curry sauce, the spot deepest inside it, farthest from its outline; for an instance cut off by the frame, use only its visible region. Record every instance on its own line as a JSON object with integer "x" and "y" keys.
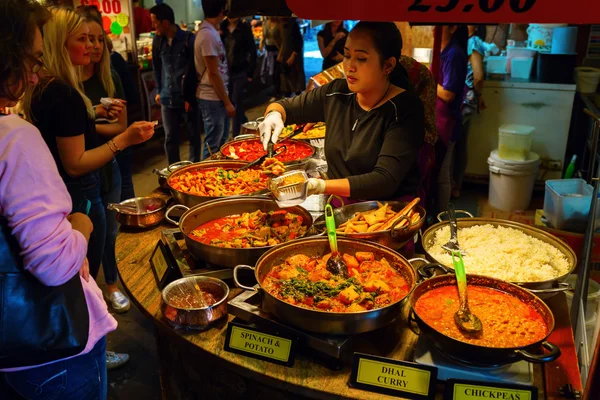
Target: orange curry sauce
{"x": 507, "y": 321}
{"x": 305, "y": 282}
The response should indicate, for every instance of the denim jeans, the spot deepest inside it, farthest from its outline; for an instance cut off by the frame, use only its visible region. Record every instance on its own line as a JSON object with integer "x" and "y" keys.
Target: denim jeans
{"x": 216, "y": 125}
{"x": 111, "y": 194}
{"x": 82, "y": 190}
{"x": 125, "y": 167}
{"x": 172, "y": 119}
{"x": 80, "y": 377}
{"x": 237, "y": 83}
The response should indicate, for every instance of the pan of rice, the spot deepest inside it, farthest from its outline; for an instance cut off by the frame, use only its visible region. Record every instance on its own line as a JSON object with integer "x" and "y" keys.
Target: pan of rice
{"x": 506, "y": 250}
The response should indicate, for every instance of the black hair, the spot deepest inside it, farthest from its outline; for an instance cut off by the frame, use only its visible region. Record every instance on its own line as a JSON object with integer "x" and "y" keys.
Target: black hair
{"x": 212, "y": 8}
{"x": 387, "y": 40}
{"x": 461, "y": 37}
{"x": 90, "y": 13}
{"x": 18, "y": 20}
{"x": 163, "y": 12}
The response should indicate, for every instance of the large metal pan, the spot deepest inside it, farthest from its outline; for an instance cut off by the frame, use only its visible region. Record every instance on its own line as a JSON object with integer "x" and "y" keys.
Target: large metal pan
{"x": 394, "y": 238}
{"x": 290, "y": 165}
{"x": 326, "y": 322}
{"x": 191, "y": 200}
{"x": 211, "y": 210}
{"x": 543, "y": 289}
{"x": 480, "y": 355}
{"x": 163, "y": 174}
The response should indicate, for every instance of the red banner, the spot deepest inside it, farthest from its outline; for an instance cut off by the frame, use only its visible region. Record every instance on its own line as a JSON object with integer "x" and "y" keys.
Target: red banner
{"x": 445, "y": 11}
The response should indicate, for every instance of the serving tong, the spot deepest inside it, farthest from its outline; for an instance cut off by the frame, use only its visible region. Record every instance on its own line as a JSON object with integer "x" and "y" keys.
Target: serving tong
{"x": 452, "y": 245}
{"x": 261, "y": 159}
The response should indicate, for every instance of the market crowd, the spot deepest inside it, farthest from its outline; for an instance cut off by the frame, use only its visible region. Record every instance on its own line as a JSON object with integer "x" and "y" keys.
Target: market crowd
{"x": 64, "y": 154}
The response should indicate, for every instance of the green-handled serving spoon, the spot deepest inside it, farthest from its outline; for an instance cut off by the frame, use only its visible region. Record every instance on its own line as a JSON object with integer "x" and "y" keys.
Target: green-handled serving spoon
{"x": 336, "y": 264}
{"x": 464, "y": 318}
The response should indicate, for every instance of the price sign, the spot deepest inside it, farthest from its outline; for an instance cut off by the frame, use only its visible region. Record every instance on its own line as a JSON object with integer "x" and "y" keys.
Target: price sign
{"x": 105, "y": 6}
{"x": 448, "y": 11}
{"x": 393, "y": 377}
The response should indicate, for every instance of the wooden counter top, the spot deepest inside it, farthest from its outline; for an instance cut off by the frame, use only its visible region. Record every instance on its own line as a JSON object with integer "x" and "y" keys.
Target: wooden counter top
{"x": 307, "y": 377}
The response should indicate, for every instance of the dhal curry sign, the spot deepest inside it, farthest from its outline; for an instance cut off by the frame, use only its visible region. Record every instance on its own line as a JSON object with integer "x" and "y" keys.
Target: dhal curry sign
{"x": 392, "y": 376}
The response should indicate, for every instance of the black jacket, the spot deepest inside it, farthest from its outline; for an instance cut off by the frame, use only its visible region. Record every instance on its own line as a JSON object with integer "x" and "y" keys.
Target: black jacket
{"x": 239, "y": 47}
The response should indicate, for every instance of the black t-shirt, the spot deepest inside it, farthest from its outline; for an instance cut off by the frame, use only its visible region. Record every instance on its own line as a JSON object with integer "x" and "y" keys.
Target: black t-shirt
{"x": 59, "y": 111}
{"x": 94, "y": 90}
{"x": 327, "y": 36}
{"x": 379, "y": 157}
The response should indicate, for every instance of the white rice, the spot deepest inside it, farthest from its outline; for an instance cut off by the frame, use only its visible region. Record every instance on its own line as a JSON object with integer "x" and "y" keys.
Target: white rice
{"x": 502, "y": 253}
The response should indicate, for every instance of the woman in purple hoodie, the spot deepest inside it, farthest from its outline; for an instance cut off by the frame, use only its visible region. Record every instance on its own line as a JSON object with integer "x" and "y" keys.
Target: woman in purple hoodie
{"x": 35, "y": 216}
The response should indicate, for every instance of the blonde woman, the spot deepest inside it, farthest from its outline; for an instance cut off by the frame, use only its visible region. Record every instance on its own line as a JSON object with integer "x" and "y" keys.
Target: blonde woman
{"x": 100, "y": 81}
{"x": 65, "y": 117}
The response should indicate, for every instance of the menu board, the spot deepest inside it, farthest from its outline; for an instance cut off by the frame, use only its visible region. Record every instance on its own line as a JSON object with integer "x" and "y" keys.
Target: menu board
{"x": 116, "y": 21}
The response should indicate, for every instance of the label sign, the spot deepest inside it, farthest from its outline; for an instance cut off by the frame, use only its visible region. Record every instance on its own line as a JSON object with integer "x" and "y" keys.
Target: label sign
{"x": 393, "y": 377}
{"x": 446, "y": 11}
{"x": 105, "y": 6}
{"x": 471, "y": 390}
{"x": 250, "y": 341}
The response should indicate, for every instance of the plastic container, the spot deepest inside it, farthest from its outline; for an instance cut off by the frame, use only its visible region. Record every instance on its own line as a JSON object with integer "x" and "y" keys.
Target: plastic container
{"x": 514, "y": 142}
{"x": 521, "y": 67}
{"x": 513, "y": 52}
{"x": 593, "y": 297}
{"x": 567, "y": 204}
{"x": 587, "y": 79}
{"x": 540, "y": 36}
{"x": 556, "y": 68}
{"x": 511, "y": 182}
{"x": 496, "y": 65}
{"x": 564, "y": 40}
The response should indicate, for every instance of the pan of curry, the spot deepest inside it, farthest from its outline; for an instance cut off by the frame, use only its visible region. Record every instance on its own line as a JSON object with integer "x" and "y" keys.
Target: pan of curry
{"x": 516, "y": 323}
{"x": 297, "y": 288}
{"x": 238, "y": 230}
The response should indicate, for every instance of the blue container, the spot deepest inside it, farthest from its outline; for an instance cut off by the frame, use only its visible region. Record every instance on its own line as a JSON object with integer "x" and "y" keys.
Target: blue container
{"x": 567, "y": 204}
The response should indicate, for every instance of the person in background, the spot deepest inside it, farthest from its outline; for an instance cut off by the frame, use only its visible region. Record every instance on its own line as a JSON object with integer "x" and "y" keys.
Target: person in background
{"x": 291, "y": 57}
{"x": 141, "y": 19}
{"x": 451, "y": 83}
{"x": 271, "y": 43}
{"x": 332, "y": 39}
{"x": 132, "y": 97}
{"x": 100, "y": 81}
{"x": 240, "y": 48}
{"x": 172, "y": 53}
{"x": 35, "y": 207}
{"x": 473, "y": 102}
{"x": 214, "y": 105}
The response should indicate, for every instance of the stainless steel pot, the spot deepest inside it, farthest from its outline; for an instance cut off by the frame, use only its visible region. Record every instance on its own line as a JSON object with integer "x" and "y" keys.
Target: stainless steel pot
{"x": 251, "y": 127}
{"x": 143, "y": 218}
{"x": 392, "y": 238}
{"x": 326, "y": 322}
{"x": 163, "y": 174}
{"x": 480, "y": 355}
{"x": 211, "y": 210}
{"x": 543, "y": 289}
{"x": 191, "y": 200}
{"x": 196, "y": 318}
{"x": 290, "y": 165}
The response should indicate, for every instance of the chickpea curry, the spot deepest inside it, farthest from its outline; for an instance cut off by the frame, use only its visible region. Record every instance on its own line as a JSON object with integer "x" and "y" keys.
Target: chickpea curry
{"x": 304, "y": 281}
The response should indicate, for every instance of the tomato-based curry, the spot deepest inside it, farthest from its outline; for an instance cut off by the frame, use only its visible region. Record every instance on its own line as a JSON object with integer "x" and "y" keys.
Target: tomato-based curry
{"x": 507, "y": 321}
{"x": 304, "y": 281}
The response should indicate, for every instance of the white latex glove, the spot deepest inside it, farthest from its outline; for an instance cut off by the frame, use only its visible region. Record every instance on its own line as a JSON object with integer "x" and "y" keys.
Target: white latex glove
{"x": 270, "y": 128}
{"x": 316, "y": 186}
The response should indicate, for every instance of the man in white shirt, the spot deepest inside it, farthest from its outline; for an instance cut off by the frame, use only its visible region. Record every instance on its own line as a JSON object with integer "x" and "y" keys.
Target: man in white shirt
{"x": 214, "y": 105}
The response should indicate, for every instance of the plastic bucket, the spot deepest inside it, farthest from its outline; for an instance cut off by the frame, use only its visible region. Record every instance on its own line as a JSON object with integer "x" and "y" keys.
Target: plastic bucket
{"x": 564, "y": 40}
{"x": 587, "y": 79}
{"x": 511, "y": 182}
{"x": 540, "y": 36}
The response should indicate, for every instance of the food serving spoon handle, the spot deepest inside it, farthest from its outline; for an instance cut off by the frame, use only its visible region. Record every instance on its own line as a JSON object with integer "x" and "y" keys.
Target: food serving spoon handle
{"x": 261, "y": 159}
{"x": 335, "y": 264}
{"x": 464, "y": 318}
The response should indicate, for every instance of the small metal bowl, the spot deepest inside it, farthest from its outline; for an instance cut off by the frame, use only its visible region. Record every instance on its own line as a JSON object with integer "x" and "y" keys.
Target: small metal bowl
{"x": 195, "y": 318}
{"x": 152, "y": 212}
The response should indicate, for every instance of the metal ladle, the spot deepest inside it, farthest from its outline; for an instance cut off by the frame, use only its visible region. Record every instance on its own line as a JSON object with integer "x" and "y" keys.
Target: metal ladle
{"x": 335, "y": 264}
{"x": 464, "y": 318}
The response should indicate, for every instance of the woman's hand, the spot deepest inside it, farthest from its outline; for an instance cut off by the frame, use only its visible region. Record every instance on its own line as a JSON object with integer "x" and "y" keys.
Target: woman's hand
{"x": 290, "y": 61}
{"x": 270, "y": 128}
{"x": 139, "y": 132}
{"x": 82, "y": 223}
{"x": 116, "y": 108}
{"x": 481, "y": 103}
{"x": 339, "y": 36}
{"x": 84, "y": 271}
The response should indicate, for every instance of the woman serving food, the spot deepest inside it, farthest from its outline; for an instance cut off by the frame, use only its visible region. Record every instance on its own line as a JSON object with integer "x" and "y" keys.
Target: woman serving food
{"x": 374, "y": 127}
